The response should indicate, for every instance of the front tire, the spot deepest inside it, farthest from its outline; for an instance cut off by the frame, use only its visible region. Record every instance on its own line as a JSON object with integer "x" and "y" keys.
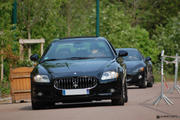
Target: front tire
{"x": 41, "y": 105}
{"x": 150, "y": 84}
{"x": 126, "y": 93}
{"x": 119, "y": 101}
{"x": 36, "y": 105}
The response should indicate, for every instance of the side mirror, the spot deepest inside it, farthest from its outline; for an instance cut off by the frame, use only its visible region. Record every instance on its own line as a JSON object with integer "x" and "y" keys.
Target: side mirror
{"x": 34, "y": 57}
{"x": 122, "y": 53}
{"x": 148, "y": 59}
{"x": 117, "y": 51}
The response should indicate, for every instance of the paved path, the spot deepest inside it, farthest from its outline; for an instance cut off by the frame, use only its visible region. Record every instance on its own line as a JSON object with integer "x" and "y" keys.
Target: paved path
{"x": 139, "y": 107}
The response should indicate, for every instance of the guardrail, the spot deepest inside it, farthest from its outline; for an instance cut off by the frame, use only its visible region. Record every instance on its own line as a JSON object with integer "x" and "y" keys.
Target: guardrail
{"x": 175, "y": 86}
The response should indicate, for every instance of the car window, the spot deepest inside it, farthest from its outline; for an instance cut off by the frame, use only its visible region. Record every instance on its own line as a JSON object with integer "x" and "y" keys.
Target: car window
{"x": 78, "y": 48}
{"x": 133, "y": 56}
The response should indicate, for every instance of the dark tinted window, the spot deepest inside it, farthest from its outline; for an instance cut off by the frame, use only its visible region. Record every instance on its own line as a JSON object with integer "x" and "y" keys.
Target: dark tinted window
{"x": 133, "y": 55}
{"x": 78, "y": 48}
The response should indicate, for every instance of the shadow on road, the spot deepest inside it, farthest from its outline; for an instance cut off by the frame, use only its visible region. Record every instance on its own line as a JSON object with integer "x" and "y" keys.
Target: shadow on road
{"x": 174, "y": 97}
{"x": 72, "y": 105}
{"x": 149, "y": 105}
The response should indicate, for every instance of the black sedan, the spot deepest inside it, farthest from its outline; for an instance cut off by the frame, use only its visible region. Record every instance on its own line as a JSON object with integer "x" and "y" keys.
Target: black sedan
{"x": 76, "y": 70}
{"x": 139, "y": 69}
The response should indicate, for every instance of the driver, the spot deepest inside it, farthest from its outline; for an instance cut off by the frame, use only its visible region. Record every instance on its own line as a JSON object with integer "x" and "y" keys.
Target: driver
{"x": 96, "y": 51}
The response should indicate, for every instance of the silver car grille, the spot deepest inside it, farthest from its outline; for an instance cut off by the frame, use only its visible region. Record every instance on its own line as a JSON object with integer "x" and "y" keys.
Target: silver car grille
{"x": 75, "y": 82}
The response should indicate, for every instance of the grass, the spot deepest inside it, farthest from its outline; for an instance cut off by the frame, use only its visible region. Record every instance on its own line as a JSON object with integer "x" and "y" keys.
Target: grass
{"x": 168, "y": 77}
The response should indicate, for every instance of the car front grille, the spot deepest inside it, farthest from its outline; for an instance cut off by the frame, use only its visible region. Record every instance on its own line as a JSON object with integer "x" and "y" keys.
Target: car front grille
{"x": 75, "y": 82}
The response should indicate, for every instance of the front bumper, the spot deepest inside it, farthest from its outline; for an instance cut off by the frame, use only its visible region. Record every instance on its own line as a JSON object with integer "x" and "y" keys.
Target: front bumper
{"x": 135, "y": 78}
{"x": 47, "y": 93}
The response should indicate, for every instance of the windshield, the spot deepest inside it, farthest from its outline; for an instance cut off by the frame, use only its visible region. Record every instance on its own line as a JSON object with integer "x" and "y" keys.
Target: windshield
{"x": 78, "y": 49}
{"x": 133, "y": 56}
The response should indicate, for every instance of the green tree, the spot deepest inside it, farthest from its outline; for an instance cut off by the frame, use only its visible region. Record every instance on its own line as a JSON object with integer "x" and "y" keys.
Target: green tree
{"x": 168, "y": 37}
{"x": 7, "y": 39}
{"x": 151, "y": 13}
{"x": 116, "y": 26}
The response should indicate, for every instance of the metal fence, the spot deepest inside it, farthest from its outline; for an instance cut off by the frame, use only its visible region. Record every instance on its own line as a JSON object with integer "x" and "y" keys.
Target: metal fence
{"x": 175, "y": 86}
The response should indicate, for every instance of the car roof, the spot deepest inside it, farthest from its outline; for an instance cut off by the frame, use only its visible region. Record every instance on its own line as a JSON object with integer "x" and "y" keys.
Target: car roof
{"x": 79, "y": 38}
{"x": 127, "y": 49}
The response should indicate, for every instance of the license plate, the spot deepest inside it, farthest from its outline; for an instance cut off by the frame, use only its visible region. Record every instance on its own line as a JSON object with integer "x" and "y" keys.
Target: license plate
{"x": 75, "y": 92}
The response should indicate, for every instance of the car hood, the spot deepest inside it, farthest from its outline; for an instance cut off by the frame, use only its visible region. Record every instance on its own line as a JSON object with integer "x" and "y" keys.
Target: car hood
{"x": 61, "y": 68}
{"x": 132, "y": 66}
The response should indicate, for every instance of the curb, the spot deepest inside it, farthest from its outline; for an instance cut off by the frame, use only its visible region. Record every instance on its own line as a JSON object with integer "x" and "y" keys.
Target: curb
{"x": 5, "y": 100}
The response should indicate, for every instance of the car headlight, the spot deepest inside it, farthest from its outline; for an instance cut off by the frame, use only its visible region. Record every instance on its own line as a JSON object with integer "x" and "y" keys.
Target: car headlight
{"x": 41, "y": 79}
{"x": 139, "y": 70}
{"x": 109, "y": 75}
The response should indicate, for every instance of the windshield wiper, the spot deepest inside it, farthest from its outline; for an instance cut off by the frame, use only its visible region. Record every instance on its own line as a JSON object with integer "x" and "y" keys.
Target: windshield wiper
{"x": 70, "y": 58}
{"x": 78, "y": 58}
{"x": 49, "y": 60}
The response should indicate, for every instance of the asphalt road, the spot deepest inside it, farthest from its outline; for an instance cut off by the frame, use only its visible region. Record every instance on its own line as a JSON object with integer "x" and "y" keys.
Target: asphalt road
{"x": 139, "y": 107}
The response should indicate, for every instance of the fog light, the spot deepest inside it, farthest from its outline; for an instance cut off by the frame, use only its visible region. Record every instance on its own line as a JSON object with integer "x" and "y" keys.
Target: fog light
{"x": 39, "y": 93}
{"x": 140, "y": 77}
{"x": 112, "y": 90}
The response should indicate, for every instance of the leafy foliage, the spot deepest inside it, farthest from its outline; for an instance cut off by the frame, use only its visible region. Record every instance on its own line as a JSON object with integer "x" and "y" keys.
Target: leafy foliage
{"x": 5, "y": 87}
{"x": 25, "y": 63}
{"x": 168, "y": 37}
{"x": 117, "y": 28}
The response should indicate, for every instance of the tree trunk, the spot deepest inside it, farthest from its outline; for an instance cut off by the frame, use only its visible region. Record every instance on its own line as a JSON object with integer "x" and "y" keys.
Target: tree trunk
{"x": 68, "y": 18}
{"x": 134, "y": 22}
{"x": 29, "y": 46}
{"x": 21, "y": 54}
{"x": 42, "y": 46}
{"x": 29, "y": 30}
{"x": 2, "y": 66}
{"x": 2, "y": 61}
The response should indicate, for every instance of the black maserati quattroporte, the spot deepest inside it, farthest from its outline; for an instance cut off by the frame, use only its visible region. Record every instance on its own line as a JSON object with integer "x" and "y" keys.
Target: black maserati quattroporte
{"x": 77, "y": 70}
{"x": 139, "y": 69}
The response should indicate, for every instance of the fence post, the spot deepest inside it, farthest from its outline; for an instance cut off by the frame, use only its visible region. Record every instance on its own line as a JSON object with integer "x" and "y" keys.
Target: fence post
{"x": 162, "y": 95}
{"x": 175, "y": 86}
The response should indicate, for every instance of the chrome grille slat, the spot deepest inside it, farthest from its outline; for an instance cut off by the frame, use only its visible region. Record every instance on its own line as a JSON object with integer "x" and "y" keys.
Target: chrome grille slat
{"x": 80, "y": 85}
{"x": 75, "y": 82}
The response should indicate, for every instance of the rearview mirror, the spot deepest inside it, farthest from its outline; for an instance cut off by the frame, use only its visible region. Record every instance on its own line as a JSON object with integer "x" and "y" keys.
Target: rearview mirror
{"x": 34, "y": 57}
{"x": 122, "y": 53}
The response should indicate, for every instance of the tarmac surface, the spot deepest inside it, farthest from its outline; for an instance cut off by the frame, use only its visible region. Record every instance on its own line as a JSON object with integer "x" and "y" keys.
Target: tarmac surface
{"x": 139, "y": 107}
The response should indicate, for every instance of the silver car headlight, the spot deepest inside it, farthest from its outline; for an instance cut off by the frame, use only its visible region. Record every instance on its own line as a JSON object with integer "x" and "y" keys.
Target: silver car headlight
{"x": 41, "y": 79}
{"x": 109, "y": 75}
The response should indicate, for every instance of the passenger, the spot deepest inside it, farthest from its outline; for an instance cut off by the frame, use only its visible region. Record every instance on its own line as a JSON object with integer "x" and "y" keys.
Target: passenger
{"x": 97, "y": 51}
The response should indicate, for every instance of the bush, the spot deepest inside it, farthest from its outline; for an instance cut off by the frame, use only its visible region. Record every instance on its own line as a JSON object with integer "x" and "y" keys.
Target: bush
{"x": 168, "y": 39}
{"x": 5, "y": 87}
{"x": 25, "y": 63}
{"x": 116, "y": 27}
